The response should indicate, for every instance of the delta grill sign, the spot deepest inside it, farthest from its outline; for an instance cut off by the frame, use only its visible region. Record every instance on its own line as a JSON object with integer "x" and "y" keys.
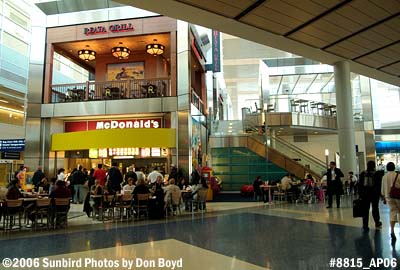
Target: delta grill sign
{"x": 72, "y": 126}
{"x": 114, "y": 28}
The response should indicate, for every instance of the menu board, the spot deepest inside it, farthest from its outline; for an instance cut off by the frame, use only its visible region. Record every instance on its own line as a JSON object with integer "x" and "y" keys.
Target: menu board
{"x": 155, "y": 152}
{"x": 145, "y": 152}
{"x": 103, "y": 152}
{"x": 93, "y": 153}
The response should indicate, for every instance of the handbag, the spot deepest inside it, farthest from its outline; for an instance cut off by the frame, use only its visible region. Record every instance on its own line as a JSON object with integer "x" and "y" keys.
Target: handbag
{"x": 358, "y": 208}
{"x": 394, "y": 191}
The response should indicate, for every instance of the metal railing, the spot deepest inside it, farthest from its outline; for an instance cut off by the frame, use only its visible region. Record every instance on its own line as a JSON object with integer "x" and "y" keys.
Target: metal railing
{"x": 109, "y": 90}
{"x": 196, "y": 100}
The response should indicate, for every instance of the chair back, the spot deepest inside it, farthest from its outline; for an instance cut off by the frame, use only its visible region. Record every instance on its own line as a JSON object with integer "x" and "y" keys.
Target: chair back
{"x": 43, "y": 202}
{"x": 202, "y": 195}
{"x": 176, "y": 197}
{"x": 61, "y": 201}
{"x": 143, "y": 197}
{"x": 126, "y": 197}
{"x": 14, "y": 203}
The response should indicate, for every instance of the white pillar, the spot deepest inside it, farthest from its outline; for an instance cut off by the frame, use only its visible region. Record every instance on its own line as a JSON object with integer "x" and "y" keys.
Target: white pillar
{"x": 345, "y": 123}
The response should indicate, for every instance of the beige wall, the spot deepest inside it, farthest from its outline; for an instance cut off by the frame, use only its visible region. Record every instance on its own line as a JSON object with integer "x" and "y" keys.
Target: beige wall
{"x": 317, "y": 144}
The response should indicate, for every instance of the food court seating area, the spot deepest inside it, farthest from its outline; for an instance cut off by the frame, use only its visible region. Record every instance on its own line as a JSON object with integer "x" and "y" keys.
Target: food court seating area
{"x": 312, "y": 107}
{"x": 34, "y": 211}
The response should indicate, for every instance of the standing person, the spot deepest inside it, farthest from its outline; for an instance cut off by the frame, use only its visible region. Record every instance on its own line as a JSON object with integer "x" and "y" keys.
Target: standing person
{"x": 79, "y": 179}
{"x": 100, "y": 175}
{"x": 353, "y": 183}
{"x": 114, "y": 178}
{"x": 334, "y": 184}
{"x": 394, "y": 204}
{"x": 369, "y": 189}
{"x": 61, "y": 174}
{"x": 37, "y": 176}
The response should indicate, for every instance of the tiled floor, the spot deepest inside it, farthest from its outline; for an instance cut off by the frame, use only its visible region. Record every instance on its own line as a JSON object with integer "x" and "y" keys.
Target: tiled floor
{"x": 229, "y": 236}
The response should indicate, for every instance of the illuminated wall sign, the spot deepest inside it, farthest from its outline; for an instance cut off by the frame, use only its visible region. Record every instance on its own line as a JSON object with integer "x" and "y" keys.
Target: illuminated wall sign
{"x": 72, "y": 126}
{"x": 114, "y": 28}
{"x": 127, "y": 124}
{"x": 12, "y": 145}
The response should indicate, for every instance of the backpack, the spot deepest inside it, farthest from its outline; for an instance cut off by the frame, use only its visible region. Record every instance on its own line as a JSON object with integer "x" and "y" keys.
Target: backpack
{"x": 394, "y": 191}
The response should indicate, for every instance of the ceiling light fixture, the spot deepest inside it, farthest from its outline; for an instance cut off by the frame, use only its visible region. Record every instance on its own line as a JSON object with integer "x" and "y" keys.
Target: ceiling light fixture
{"x": 120, "y": 51}
{"x": 155, "y": 48}
{"x": 87, "y": 54}
{"x": 4, "y": 101}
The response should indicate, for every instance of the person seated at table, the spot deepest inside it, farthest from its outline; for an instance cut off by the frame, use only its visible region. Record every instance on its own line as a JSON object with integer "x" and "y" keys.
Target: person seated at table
{"x": 13, "y": 192}
{"x": 169, "y": 189}
{"x": 199, "y": 186}
{"x": 129, "y": 187}
{"x": 288, "y": 185}
{"x": 94, "y": 201}
{"x": 140, "y": 188}
{"x": 183, "y": 183}
{"x": 258, "y": 191}
{"x": 44, "y": 184}
{"x": 52, "y": 185}
{"x": 61, "y": 191}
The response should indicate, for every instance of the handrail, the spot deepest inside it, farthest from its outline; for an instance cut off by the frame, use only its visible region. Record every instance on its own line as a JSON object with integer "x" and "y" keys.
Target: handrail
{"x": 294, "y": 153}
{"x": 117, "y": 89}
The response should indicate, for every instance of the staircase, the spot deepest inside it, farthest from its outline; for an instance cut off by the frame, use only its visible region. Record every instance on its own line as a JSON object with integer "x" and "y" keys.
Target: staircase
{"x": 277, "y": 151}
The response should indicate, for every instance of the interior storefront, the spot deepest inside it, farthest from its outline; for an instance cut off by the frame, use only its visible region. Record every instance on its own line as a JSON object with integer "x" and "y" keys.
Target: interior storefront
{"x": 120, "y": 140}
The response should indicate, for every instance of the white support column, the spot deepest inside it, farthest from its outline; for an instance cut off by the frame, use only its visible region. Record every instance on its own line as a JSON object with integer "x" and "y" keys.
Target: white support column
{"x": 345, "y": 122}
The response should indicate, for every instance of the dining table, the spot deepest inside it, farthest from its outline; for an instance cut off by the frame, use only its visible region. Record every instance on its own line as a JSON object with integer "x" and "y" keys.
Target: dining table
{"x": 269, "y": 188}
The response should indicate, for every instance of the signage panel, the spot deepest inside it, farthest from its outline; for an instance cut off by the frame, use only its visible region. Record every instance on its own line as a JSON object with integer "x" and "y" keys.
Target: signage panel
{"x": 112, "y": 124}
{"x": 12, "y": 145}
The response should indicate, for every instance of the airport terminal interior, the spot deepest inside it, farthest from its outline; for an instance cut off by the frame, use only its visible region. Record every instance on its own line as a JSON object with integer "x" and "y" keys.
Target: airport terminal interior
{"x": 188, "y": 134}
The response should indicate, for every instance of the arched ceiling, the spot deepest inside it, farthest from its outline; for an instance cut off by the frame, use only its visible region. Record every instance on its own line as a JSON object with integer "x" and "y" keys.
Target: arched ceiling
{"x": 364, "y": 32}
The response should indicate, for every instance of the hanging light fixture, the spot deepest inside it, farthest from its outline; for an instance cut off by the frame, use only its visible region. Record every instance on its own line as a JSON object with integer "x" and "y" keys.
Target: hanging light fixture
{"x": 87, "y": 54}
{"x": 120, "y": 51}
{"x": 155, "y": 49}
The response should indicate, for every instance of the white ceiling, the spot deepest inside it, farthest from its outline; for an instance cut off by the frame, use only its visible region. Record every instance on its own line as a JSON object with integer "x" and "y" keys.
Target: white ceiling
{"x": 364, "y": 32}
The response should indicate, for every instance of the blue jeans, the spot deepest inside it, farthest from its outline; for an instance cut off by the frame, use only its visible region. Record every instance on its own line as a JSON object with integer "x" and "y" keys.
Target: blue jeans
{"x": 80, "y": 193}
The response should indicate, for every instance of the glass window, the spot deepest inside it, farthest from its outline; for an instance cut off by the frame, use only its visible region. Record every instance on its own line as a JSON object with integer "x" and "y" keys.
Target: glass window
{"x": 16, "y": 31}
{"x": 66, "y": 71}
{"x": 15, "y": 44}
{"x": 18, "y": 17}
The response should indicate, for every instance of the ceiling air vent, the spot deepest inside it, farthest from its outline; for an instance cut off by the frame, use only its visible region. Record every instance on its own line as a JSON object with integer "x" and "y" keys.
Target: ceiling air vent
{"x": 300, "y": 138}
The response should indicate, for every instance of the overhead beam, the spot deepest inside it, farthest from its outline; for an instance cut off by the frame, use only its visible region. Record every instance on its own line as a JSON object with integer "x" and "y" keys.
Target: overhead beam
{"x": 185, "y": 12}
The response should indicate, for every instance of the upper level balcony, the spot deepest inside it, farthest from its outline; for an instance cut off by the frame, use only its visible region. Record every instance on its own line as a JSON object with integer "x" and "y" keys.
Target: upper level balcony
{"x": 111, "y": 90}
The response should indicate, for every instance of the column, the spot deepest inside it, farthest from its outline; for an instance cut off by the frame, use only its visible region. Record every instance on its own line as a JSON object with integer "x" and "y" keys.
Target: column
{"x": 183, "y": 119}
{"x": 345, "y": 122}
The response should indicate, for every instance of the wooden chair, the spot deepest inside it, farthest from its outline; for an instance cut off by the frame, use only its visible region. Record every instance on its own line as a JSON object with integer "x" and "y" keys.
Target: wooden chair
{"x": 141, "y": 204}
{"x": 12, "y": 211}
{"x": 107, "y": 207}
{"x": 200, "y": 203}
{"x": 125, "y": 205}
{"x": 174, "y": 203}
{"x": 42, "y": 210}
{"x": 61, "y": 209}
{"x": 279, "y": 194}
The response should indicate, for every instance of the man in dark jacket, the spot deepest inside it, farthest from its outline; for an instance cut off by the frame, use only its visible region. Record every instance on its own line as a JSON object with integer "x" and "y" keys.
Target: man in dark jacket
{"x": 79, "y": 178}
{"x": 114, "y": 178}
{"x": 37, "y": 177}
{"x": 369, "y": 189}
{"x": 334, "y": 184}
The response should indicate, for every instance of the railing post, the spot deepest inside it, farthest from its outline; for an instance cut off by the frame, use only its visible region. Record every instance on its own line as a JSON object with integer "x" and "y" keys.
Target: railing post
{"x": 87, "y": 91}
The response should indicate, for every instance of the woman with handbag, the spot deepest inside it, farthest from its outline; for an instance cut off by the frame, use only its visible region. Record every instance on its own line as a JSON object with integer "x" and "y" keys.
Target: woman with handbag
{"x": 391, "y": 194}
{"x": 369, "y": 189}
